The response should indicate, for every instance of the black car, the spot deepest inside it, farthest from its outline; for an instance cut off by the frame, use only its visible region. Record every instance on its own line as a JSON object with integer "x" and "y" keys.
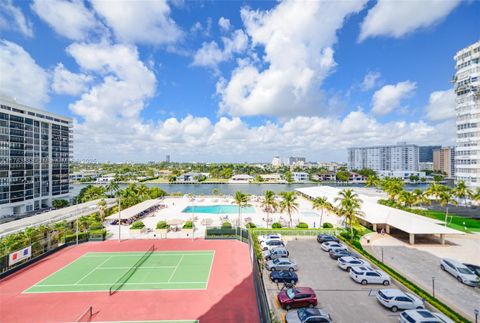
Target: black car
{"x": 474, "y": 268}
{"x": 284, "y": 276}
{"x": 338, "y": 253}
{"x": 321, "y": 238}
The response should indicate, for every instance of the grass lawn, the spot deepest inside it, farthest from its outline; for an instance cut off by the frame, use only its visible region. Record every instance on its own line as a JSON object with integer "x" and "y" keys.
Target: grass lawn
{"x": 455, "y": 221}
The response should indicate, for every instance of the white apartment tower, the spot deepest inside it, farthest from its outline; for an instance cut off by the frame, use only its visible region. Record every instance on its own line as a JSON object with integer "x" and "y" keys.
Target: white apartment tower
{"x": 400, "y": 157}
{"x": 35, "y": 148}
{"x": 466, "y": 84}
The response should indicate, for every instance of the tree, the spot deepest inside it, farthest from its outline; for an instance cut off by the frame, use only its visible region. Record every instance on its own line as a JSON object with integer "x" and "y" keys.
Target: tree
{"x": 288, "y": 204}
{"x": 393, "y": 187}
{"x": 343, "y": 175}
{"x": 91, "y": 193}
{"x": 112, "y": 187}
{"x": 435, "y": 190}
{"x": 216, "y": 191}
{"x": 349, "y": 207}
{"x": 58, "y": 204}
{"x": 367, "y": 172}
{"x": 321, "y": 203}
{"x": 172, "y": 179}
{"x": 142, "y": 191}
{"x": 420, "y": 197}
{"x": 413, "y": 178}
{"x": 269, "y": 204}
{"x": 406, "y": 198}
{"x": 446, "y": 198}
{"x": 437, "y": 178}
{"x": 288, "y": 176}
{"x": 156, "y": 192}
{"x": 241, "y": 200}
{"x": 461, "y": 191}
{"x": 475, "y": 195}
{"x": 372, "y": 181}
{"x": 102, "y": 207}
{"x": 258, "y": 179}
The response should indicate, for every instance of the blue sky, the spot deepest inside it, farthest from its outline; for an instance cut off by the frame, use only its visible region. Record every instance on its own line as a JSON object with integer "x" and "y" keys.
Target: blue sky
{"x": 237, "y": 81}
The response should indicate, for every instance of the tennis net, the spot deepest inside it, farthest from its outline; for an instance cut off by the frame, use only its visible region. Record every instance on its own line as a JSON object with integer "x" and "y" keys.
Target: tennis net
{"x": 125, "y": 277}
{"x": 86, "y": 316}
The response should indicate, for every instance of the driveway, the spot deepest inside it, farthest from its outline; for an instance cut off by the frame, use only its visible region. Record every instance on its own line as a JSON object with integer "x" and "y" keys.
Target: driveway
{"x": 421, "y": 263}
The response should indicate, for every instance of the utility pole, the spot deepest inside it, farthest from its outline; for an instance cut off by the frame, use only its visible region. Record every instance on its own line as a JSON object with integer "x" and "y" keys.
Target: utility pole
{"x": 433, "y": 286}
{"x": 76, "y": 211}
{"x": 119, "y": 219}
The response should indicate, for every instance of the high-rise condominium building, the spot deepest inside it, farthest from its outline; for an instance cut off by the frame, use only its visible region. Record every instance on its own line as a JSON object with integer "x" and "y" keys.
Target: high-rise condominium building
{"x": 400, "y": 157}
{"x": 34, "y": 158}
{"x": 444, "y": 160}
{"x": 466, "y": 83}
{"x": 276, "y": 162}
{"x": 297, "y": 161}
{"x": 167, "y": 158}
{"x": 425, "y": 153}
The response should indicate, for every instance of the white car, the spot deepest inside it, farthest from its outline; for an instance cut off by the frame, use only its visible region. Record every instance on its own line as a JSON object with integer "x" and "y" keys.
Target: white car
{"x": 367, "y": 275}
{"x": 423, "y": 316}
{"x": 262, "y": 238}
{"x": 395, "y": 300}
{"x": 327, "y": 246}
{"x": 346, "y": 263}
{"x": 271, "y": 243}
{"x": 459, "y": 271}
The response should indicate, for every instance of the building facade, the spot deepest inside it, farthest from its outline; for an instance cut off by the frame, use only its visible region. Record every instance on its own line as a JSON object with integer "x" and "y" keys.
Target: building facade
{"x": 300, "y": 177}
{"x": 276, "y": 162}
{"x": 35, "y": 153}
{"x": 466, "y": 85}
{"x": 444, "y": 161}
{"x": 400, "y": 157}
{"x": 425, "y": 153}
{"x": 296, "y": 161}
{"x": 426, "y": 165}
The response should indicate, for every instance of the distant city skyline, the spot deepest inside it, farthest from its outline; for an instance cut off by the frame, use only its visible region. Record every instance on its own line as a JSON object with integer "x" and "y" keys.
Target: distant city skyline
{"x": 231, "y": 81}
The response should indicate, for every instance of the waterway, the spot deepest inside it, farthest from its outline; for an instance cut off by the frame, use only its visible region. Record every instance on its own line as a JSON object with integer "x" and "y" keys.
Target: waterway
{"x": 230, "y": 189}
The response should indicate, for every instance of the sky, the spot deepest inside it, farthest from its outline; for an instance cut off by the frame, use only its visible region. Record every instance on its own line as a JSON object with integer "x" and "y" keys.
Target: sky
{"x": 237, "y": 81}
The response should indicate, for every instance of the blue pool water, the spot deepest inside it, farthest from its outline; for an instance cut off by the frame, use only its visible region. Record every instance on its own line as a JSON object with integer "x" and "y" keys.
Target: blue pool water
{"x": 217, "y": 209}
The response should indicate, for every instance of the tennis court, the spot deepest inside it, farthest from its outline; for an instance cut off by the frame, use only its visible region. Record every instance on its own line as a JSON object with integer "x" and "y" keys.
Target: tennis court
{"x": 131, "y": 271}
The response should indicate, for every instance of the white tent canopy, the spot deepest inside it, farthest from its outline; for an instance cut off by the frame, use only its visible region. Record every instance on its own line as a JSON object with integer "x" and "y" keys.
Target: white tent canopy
{"x": 375, "y": 213}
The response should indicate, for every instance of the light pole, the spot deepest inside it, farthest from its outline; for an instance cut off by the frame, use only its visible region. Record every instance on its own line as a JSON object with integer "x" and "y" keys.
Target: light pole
{"x": 476, "y": 315}
{"x": 433, "y": 286}
{"x": 119, "y": 219}
{"x": 76, "y": 211}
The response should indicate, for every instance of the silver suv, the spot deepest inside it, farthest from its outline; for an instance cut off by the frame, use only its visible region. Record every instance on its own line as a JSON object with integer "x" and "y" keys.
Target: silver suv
{"x": 276, "y": 253}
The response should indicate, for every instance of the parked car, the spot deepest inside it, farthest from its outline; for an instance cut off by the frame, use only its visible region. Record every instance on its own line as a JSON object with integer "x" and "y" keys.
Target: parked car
{"x": 281, "y": 264}
{"x": 284, "y": 276}
{"x": 336, "y": 253}
{"x": 326, "y": 246}
{"x": 262, "y": 238}
{"x": 346, "y": 263}
{"x": 270, "y": 244}
{"x": 473, "y": 268}
{"x": 275, "y": 253}
{"x": 459, "y": 271}
{"x": 307, "y": 315}
{"x": 367, "y": 275}
{"x": 395, "y": 300}
{"x": 321, "y": 238}
{"x": 297, "y": 297}
{"x": 423, "y": 316}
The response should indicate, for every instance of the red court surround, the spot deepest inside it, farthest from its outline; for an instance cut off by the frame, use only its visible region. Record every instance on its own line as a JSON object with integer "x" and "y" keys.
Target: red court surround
{"x": 230, "y": 296}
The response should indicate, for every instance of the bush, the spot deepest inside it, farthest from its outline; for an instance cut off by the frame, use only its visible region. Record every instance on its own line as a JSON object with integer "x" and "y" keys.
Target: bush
{"x": 58, "y": 204}
{"x": 162, "y": 225}
{"x": 251, "y": 225}
{"x": 327, "y": 225}
{"x": 95, "y": 226}
{"x": 302, "y": 225}
{"x": 226, "y": 225}
{"x": 188, "y": 225}
{"x": 276, "y": 225}
{"x": 137, "y": 225}
{"x": 72, "y": 237}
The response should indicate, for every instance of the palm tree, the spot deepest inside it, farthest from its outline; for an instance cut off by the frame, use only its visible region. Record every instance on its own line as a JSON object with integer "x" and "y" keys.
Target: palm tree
{"x": 461, "y": 191}
{"x": 420, "y": 197}
{"x": 393, "y": 187}
{"x": 435, "y": 190}
{"x": 269, "y": 204}
{"x": 112, "y": 187}
{"x": 349, "y": 207}
{"x": 142, "y": 191}
{"x": 321, "y": 203}
{"x": 241, "y": 200}
{"x": 288, "y": 204}
{"x": 475, "y": 195}
{"x": 372, "y": 181}
{"x": 445, "y": 198}
{"x": 407, "y": 198}
{"x": 102, "y": 207}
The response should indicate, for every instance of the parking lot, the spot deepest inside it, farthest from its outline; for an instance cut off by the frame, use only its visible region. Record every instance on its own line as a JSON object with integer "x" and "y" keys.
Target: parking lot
{"x": 337, "y": 293}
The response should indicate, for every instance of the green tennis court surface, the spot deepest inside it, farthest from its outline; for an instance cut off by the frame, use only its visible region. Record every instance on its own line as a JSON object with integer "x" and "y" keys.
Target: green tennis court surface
{"x": 98, "y": 271}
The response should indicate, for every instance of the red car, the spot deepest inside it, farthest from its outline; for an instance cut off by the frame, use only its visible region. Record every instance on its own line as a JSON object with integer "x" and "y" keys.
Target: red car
{"x": 297, "y": 297}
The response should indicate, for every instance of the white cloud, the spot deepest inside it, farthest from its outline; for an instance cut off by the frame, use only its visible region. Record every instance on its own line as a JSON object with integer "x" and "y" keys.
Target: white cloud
{"x": 21, "y": 78}
{"x": 370, "y": 81}
{"x": 287, "y": 84}
{"x": 224, "y": 24}
{"x": 70, "y": 19}
{"x": 12, "y": 18}
{"x": 147, "y": 22}
{"x": 66, "y": 82}
{"x": 441, "y": 105}
{"x": 398, "y": 18}
{"x": 389, "y": 97}
{"x": 210, "y": 54}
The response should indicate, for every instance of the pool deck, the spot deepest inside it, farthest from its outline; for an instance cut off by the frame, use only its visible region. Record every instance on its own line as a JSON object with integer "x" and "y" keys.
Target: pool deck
{"x": 175, "y": 206}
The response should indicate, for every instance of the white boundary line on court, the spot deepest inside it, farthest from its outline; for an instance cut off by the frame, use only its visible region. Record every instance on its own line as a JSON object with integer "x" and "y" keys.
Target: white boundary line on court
{"x": 176, "y": 267}
{"x": 153, "y": 321}
{"x": 158, "y": 252}
{"x": 108, "y": 284}
{"x": 141, "y": 267}
{"x": 92, "y": 271}
{"x": 210, "y": 271}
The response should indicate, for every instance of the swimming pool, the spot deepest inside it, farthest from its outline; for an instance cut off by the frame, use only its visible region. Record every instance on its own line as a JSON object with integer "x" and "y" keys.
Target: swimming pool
{"x": 217, "y": 209}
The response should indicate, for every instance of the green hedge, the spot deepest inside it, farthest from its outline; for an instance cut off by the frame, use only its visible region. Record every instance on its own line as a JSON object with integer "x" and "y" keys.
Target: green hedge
{"x": 137, "y": 225}
{"x": 294, "y": 231}
{"x": 250, "y": 225}
{"x": 226, "y": 225}
{"x": 188, "y": 225}
{"x": 82, "y": 236}
{"x": 327, "y": 225}
{"x": 302, "y": 225}
{"x": 276, "y": 225}
{"x": 442, "y": 307}
{"x": 162, "y": 225}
